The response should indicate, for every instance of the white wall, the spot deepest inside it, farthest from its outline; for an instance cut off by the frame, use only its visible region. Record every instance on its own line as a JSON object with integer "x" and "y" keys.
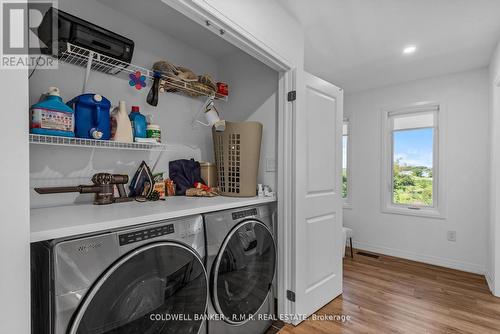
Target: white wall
{"x": 14, "y": 205}
{"x": 493, "y": 262}
{"x": 465, "y": 98}
{"x": 253, "y": 89}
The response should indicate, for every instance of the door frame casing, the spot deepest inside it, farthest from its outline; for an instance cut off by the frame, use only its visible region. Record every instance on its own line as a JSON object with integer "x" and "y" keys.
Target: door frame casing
{"x": 206, "y": 15}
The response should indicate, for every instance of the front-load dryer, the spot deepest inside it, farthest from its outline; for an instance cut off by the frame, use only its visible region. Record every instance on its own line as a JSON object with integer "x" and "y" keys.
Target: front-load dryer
{"x": 241, "y": 262}
{"x": 148, "y": 279}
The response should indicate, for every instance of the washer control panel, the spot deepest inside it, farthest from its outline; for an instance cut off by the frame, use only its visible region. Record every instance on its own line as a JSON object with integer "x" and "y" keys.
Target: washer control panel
{"x": 244, "y": 214}
{"x": 141, "y": 235}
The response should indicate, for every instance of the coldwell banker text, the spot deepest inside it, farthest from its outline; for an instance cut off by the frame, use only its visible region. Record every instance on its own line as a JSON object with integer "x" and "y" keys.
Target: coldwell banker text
{"x": 246, "y": 317}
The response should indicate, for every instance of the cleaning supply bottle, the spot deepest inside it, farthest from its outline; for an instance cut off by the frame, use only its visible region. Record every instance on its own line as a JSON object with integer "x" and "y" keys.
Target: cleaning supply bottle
{"x": 139, "y": 123}
{"x": 121, "y": 128}
{"x": 92, "y": 119}
{"x": 51, "y": 116}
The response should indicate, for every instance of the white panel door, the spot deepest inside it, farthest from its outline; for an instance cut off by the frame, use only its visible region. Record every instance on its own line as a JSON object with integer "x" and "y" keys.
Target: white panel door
{"x": 318, "y": 213}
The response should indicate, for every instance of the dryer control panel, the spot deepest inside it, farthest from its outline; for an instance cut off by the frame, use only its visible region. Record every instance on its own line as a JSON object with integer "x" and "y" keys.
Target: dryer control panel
{"x": 244, "y": 214}
{"x": 148, "y": 233}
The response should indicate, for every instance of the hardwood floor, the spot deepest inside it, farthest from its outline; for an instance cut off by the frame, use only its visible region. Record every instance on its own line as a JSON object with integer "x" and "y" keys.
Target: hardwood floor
{"x": 392, "y": 295}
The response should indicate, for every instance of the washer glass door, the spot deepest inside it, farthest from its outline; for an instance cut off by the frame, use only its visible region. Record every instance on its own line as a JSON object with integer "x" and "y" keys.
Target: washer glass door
{"x": 158, "y": 288}
{"x": 243, "y": 271}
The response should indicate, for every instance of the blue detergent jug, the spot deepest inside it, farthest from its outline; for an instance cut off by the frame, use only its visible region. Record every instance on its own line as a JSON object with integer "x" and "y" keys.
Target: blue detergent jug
{"x": 92, "y": 118}
{"x": 139, "y": 124}
{"x": 52, "y": 117}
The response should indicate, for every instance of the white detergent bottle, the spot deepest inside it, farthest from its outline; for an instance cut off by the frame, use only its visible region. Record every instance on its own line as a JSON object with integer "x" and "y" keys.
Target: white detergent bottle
{"x": 121, "y": 128}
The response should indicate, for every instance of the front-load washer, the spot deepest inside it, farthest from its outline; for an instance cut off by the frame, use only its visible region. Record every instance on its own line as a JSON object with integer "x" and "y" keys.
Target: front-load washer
{"x": 241, "y": 262}
{"x": 149, "y": 279}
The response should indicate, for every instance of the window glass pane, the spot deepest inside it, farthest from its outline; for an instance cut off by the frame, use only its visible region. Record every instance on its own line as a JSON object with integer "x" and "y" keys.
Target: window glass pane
{"x": 412, "y": 167}
{"x": 412, "y": 121}
{"x": 345, "y": 139}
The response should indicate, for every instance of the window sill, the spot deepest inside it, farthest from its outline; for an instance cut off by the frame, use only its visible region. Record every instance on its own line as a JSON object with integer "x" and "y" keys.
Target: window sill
{"x": 426, "y": 213}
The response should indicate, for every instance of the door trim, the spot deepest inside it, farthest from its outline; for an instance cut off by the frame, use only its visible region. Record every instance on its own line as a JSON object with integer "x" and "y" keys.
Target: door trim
{"x": 82, "y": 308}
{"x": 200, "y": 11}
{"x": 208, "y": 16}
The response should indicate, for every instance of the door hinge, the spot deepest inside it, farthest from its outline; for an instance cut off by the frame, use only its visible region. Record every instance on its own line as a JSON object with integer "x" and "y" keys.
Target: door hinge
{"x": 292, "y": 96}
{"x": 290, "y": 295}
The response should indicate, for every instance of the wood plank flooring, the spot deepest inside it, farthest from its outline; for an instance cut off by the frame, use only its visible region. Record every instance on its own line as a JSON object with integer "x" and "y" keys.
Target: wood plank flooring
{"x": 392, "y": 295}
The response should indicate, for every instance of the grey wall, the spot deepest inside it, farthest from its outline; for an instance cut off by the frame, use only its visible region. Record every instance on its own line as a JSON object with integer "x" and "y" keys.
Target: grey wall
{"x": 253, "y": 89}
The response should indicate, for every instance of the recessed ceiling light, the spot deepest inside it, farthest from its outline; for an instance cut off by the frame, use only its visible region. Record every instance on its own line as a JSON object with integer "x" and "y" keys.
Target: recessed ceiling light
{"x": 409, "y": 49}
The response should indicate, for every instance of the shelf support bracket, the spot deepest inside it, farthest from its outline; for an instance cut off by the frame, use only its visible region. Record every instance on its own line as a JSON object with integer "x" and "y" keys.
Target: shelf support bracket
{"x": 87, "y": 71}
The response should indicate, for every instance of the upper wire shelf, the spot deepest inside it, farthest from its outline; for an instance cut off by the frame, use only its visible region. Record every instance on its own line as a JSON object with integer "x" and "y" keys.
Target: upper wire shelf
{"x": 80, "y": 56}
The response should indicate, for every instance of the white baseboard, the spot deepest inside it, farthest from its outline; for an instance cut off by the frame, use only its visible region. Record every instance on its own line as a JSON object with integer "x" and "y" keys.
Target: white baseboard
{"x": 434, "y": 260}
{"x": 491, "y": 283}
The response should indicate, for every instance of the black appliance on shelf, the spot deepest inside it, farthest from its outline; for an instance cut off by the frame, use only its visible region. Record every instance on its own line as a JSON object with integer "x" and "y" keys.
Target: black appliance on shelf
{"x": 71, "y": 29}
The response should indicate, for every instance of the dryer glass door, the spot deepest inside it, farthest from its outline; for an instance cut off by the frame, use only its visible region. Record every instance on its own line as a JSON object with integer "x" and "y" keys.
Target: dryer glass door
{"x": 158, "y": 288}
{"x": 243, "y": 271}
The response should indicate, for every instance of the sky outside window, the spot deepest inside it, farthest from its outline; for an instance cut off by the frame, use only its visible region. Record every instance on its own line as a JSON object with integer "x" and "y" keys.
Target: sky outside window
{"x": 412, "y": 163}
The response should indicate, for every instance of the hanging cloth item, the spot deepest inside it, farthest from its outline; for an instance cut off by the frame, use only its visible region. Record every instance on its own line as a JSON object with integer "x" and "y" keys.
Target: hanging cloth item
{"x": 184, "y": 173}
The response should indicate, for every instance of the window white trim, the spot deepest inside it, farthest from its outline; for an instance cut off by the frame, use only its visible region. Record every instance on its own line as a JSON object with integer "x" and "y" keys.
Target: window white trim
{"x": 347, "y": 202}
{"x": 438, "y": 209}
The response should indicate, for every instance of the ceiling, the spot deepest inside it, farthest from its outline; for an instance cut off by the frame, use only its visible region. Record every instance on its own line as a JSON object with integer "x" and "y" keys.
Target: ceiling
{"x": 165, "y": 19}
{"x": 357, "y": 44}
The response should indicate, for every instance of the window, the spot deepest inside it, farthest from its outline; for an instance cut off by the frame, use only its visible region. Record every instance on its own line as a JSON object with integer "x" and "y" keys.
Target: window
{"x": 411, "y": 161}
{"x": 346, "y": 184}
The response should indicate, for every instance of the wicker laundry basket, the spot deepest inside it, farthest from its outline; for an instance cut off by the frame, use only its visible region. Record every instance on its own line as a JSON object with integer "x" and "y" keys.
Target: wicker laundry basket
{"x": 237, "y": 155}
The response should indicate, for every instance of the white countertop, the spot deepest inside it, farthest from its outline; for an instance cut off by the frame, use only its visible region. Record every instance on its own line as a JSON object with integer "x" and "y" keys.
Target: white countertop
{"x": 65, "y": 221}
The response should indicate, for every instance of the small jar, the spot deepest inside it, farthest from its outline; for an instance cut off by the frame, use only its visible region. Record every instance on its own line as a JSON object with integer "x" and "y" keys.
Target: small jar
{"x": 208, "y": 173}
{"x": 154, "y": 131}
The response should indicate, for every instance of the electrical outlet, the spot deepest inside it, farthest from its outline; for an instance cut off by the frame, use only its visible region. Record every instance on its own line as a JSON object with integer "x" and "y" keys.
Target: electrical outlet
{"x": 452, "y": 235}
{"x": 270, "y": 165}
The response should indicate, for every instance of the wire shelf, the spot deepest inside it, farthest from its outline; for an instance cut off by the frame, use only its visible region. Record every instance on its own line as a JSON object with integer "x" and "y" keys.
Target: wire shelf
{"x": 93, "y": 143}
{"x": 80, "y": 56}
